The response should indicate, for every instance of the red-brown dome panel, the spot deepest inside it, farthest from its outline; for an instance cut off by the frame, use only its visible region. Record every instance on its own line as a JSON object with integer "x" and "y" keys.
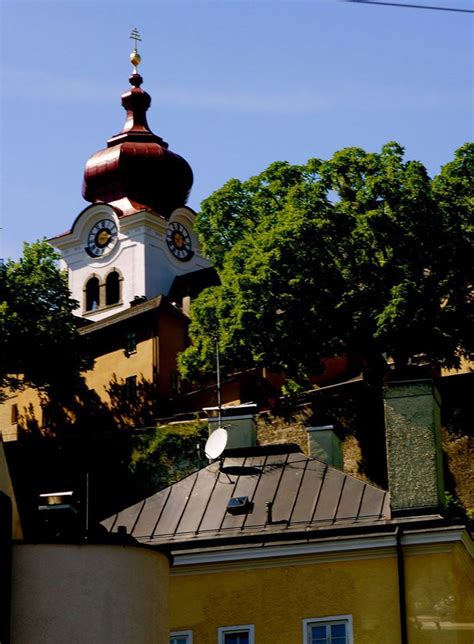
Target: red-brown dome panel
{"x": 101, "y": 176}
{"x": 135, "y": 165}
{"x": 143, "y": 172}
{"x": 155, "y": 176}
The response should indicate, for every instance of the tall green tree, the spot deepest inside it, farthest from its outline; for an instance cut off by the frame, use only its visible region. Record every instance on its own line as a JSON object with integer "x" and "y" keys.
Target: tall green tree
{"x": 39, "y": 344}
{"x": 362, "y": 253}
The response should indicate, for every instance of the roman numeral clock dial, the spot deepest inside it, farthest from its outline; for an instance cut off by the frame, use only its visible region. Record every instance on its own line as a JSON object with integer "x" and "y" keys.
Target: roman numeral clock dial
{"x": 102, "y": 238}
{"x": 179, "y": 241}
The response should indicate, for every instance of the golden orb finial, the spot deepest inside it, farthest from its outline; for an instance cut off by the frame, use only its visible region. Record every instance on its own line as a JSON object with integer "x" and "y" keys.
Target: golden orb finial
{"x": 135, "y": 57}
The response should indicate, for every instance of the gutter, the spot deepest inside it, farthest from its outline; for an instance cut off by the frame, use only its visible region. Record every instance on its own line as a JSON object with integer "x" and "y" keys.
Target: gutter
{"x": 401, "y": 586}
{"x": 437, "y": 527}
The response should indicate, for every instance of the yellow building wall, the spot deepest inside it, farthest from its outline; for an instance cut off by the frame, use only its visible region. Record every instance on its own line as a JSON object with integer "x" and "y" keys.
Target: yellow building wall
{"x": 117, "y": 366}
{"x": 277, "y": 598}
{"x": 28, "y": 403}
{"x": 108, "y": 368}
{"x": 440, "y": 595}
{"x": 466, "y": 366}
{"x": 153, "y": 361}
{"x": 152, "y": 364}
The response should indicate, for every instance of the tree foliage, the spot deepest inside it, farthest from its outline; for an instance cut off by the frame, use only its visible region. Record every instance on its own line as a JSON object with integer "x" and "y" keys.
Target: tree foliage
{"x": 167, "y": 454}
{"x": 39, "y": 344}
{"x": 361, "y": 253}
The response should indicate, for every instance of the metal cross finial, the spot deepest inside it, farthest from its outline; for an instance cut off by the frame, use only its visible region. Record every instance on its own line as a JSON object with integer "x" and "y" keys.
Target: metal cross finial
{"x": 135, "y": 35}
{"x": 135, "y": 57}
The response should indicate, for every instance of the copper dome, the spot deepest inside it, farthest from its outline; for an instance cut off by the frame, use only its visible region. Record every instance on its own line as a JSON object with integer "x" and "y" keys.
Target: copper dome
{"x": 137, "y": 164}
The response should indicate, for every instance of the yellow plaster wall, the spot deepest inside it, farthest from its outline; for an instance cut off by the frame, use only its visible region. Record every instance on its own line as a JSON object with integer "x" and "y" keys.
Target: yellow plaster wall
{"x": 29, "y": 407}
{"x": 440, "y": 596}
{"x": 155, "y": 356}
{"x": 277, "y": 599}
{"x": 159, "y": 341}
{"x": 117, "y": 364}
{"x": 106, "y": 367}
{"x": 466, "y": 366}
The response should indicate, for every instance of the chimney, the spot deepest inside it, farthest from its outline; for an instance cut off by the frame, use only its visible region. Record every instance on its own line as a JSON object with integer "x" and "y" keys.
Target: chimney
{"x": 238, "y": 420}
{"x": 186, "y": 305}
{"x": 324, "y": 444}
{"x": 413, "y": 445}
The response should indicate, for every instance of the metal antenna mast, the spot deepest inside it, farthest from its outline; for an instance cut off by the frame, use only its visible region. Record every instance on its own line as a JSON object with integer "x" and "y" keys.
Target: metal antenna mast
{"x": 218, "y": 370}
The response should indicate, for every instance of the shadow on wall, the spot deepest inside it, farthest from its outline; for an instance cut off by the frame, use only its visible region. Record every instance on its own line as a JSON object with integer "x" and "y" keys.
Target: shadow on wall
{"x": 90, "y": 444}
{"x": 133, "y": 403}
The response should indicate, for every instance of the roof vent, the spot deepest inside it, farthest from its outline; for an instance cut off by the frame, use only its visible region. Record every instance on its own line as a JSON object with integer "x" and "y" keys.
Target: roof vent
{"x": 239, "y": 505}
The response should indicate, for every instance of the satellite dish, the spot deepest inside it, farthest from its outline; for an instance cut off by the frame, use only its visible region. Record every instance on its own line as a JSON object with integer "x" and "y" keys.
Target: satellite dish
{"x": 216, "y": 443}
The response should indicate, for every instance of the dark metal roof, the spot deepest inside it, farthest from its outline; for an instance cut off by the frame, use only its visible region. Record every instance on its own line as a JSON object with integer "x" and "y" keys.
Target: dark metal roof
{"x": 193, "y": 283}
{"x": 306, "y": 495}
{"x": 153, "y": 304}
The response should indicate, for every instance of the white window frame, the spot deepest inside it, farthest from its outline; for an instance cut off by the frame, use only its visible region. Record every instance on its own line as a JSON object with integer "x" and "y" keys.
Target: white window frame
{"x": 223, "y": 630}
{"x": 188, "y": 634}
{"x": 325, "y": 621}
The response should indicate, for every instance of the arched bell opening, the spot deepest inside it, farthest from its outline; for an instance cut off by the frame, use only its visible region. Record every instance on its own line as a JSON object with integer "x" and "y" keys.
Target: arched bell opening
{"x": 92, "y": 294}
{"x": 112, "y": 288}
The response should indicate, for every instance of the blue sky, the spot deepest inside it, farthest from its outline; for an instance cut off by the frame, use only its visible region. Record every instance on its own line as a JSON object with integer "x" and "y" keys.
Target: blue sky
{"x": 235, "y": 85}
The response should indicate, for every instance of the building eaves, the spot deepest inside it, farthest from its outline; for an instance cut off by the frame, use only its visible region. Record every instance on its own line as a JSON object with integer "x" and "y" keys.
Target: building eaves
{"x": 333, "y": 543}
{"x": 134, "y": 311}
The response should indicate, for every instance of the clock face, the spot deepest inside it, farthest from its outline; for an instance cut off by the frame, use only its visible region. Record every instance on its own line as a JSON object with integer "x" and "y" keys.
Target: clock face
{"x": 102, "y": 238}
{"x": 179, "y": 241}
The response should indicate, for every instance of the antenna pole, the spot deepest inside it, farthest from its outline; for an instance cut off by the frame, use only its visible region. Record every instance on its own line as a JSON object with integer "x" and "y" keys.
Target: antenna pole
{"x": 218, "y": 369}
{"x": 87, "y": 505}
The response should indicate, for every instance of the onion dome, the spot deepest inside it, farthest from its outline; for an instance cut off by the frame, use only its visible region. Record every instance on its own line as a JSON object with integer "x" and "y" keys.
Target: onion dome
{"x": 137, "y": 164}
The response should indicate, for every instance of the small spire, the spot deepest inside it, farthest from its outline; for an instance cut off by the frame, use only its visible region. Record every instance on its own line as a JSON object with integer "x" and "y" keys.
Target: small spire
{"x": 135, "y": 57}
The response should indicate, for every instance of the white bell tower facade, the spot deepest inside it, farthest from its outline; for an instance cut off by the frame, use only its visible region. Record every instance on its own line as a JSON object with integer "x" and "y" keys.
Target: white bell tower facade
{"x": 113, "y": 261}
{"x": 138, "y": 234}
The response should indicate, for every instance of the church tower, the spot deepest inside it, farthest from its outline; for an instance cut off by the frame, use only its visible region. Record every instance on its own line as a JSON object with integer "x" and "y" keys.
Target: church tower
{"x": 137, "y": 236}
